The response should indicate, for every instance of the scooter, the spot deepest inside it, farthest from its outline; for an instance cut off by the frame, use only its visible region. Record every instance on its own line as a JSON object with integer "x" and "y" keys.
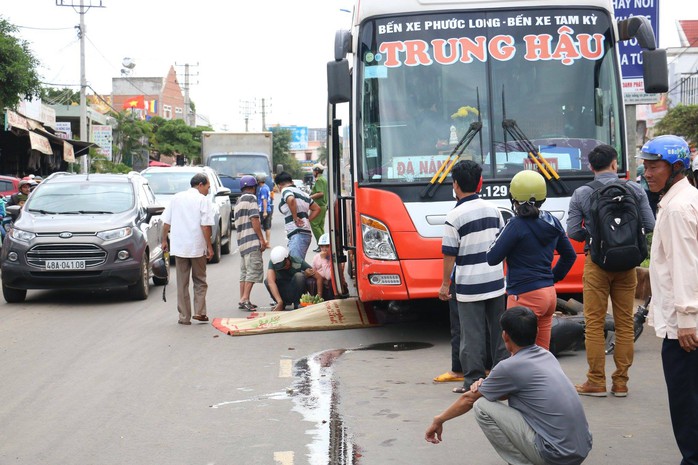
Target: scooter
{"x": 568, "y": 327}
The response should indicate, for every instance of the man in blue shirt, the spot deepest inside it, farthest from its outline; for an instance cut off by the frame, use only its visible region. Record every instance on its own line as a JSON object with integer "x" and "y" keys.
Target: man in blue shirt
{"x": 266, "y": 205}
{"x": 544, "y": 421}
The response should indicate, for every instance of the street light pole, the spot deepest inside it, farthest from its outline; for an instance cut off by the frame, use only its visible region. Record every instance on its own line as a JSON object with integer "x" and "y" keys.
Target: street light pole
{"x": 85, "y": 164}
{"x": 83, "y": 85}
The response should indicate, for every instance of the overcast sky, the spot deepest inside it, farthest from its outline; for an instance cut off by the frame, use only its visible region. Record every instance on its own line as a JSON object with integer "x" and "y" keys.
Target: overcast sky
{"x": 238, "y": 50}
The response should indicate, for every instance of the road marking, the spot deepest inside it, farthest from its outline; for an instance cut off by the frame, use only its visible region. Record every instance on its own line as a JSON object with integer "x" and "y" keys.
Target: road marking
{"x": 285, "y": 368}
{"x": 284, "y": 457}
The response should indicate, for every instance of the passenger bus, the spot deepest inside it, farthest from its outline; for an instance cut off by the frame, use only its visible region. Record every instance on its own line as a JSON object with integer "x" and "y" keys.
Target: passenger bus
{"x": 513, "y": 85}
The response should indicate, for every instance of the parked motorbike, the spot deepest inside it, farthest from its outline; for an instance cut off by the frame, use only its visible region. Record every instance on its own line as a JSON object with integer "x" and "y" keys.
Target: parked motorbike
{"x": 568, "y": 327}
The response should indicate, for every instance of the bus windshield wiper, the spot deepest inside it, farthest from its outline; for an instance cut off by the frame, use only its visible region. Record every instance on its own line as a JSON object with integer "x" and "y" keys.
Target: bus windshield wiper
{"x": 545, "y": 168}
{"x": 443, "y": 171}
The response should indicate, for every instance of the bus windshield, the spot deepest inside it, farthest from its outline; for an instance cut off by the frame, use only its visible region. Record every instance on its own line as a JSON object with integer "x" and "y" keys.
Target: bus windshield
{"x": 550, "y": 73}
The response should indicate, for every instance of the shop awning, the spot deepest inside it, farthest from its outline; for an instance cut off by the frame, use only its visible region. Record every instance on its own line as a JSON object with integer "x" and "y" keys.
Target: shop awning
{"x": 41, "y": 138}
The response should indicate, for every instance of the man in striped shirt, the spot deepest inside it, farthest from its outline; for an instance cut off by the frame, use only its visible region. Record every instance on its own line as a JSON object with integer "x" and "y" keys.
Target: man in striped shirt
{"x": 251, "y": 241}
{"x": 298, "y": 210}
{"x": 470, "y": 229}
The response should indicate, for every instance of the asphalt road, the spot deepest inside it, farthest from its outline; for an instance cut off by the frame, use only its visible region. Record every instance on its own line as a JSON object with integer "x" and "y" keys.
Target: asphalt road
{"x": 93, "y": 378}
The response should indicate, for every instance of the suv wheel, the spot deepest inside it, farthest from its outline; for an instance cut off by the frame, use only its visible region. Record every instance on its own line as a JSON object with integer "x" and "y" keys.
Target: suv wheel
{"x": 139, "y": 291}
{"x": 217, "y": 248}
{"x": 13, "y": 296}
{"x": 225, "y": 249}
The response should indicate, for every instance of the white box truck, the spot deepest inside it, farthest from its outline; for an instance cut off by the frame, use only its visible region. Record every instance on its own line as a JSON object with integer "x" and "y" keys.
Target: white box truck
{"x": 235, "y": 154}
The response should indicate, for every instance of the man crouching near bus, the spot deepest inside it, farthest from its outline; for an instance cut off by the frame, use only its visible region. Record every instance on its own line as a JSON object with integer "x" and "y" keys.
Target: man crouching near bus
{"x": 544, "y": 422}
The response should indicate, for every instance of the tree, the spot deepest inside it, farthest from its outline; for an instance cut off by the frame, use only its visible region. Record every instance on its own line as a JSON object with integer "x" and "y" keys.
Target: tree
{"x": 64, "y": 96}
{"x": 281, "y": 150}
{"x": 322, "y": 155}
{"x": 175, "y": 137}
{"x": 129, "y": 135}
{"x": 18, "y": 76}
{"x": 682, "y": 120}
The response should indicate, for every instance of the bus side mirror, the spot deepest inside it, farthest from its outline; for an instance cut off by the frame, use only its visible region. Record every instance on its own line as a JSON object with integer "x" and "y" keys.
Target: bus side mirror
{"x": 655, "y": 71}
{"x": 342, "y": 44}
{"x": 654, "y": 62}
{"x": 637, "y": 27}
{"x": 338, "y": 82}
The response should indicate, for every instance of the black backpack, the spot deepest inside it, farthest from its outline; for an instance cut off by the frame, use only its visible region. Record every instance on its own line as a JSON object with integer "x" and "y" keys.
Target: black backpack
{"x": 618, "y": 241}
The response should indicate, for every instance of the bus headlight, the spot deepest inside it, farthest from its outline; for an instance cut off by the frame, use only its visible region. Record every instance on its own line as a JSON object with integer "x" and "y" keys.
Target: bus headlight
{"x": 376, "y": 240}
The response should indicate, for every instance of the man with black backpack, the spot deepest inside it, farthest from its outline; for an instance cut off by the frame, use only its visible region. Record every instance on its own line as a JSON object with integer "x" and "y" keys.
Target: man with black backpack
{"x": 612, "y": 217}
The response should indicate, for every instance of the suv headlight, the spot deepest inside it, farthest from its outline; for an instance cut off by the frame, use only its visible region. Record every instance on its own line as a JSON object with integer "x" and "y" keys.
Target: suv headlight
{"x": 376, "y": 239}
{"x": 114, "y": 234}
{"x": 24, "y": 236}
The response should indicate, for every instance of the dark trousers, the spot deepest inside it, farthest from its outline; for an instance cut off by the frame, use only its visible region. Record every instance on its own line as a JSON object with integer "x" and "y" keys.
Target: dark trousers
{"x": 681, "y": 376}
{"x": 455, "y": 331}
{"x": 290, "y": 290}
{"x": 478, "y": 320}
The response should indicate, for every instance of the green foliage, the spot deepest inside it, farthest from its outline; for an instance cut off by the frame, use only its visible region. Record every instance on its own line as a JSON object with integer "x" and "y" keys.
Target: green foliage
{"x": 175, "y": 137}
{"x": 18, "y": 75}
{"x": 64, "y": 96}
{"x": 281, "y": 150}
{"x": 322, "y": 157}
{"x": 682, "y": 120}
{"x": 129, "y": 135}
{"x": 100, "y": 164}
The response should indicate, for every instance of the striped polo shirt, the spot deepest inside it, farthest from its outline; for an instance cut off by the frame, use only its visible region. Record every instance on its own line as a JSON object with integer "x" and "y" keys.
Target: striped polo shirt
{"x": 469, "y": 230}
{"x": 246, "y": 208}
{"x": 303, "y": 202}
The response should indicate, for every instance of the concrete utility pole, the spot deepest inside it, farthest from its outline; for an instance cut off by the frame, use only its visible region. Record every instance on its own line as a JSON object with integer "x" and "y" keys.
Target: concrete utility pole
{"x": 188, "y": 115}
{"x": 264, "y": 115}
{"x": 81, "y": 8}
{"x": 631, "y": 137}
{"x": 247, "y": 108}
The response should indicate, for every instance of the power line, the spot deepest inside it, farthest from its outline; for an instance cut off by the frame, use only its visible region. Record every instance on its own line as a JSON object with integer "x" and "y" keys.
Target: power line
{"x": 114, "y": 67}
{"x": 59, "y": 85}
{"x": 45, "y": 28}
{"x": 685, "y": 49}
{"x": 103, "y": 100}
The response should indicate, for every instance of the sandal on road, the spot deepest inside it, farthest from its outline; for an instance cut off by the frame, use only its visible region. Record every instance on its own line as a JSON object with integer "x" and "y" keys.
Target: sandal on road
{"x": 249, "y": 306}
{"x": 448, "y": 377}
{"x": 246, "y": 305}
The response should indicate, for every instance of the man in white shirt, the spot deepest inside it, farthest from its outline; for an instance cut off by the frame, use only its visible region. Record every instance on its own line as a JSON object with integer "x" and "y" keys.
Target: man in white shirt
{"x": 190, "y": 216}
{"x": 674, "y": 281}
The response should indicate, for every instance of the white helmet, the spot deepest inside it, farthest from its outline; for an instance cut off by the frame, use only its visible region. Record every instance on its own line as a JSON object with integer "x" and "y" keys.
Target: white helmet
{"x": 324, "y": 239}
{"x": 278, "y": 255}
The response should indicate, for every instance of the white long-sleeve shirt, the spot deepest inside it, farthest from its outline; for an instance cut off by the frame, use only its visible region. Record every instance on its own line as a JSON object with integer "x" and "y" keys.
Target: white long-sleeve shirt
{"x": 674, "y": 262}
{"x": 187, "y": 213}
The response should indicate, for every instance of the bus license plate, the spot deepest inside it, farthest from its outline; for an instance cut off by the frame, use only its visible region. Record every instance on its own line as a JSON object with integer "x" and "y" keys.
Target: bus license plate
{"x": 65, "y": 265}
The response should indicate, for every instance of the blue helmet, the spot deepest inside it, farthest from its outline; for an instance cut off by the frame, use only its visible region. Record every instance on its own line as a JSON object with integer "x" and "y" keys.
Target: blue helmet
{"x": 670, "y": 149}
{"x": 247, "y": 181}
